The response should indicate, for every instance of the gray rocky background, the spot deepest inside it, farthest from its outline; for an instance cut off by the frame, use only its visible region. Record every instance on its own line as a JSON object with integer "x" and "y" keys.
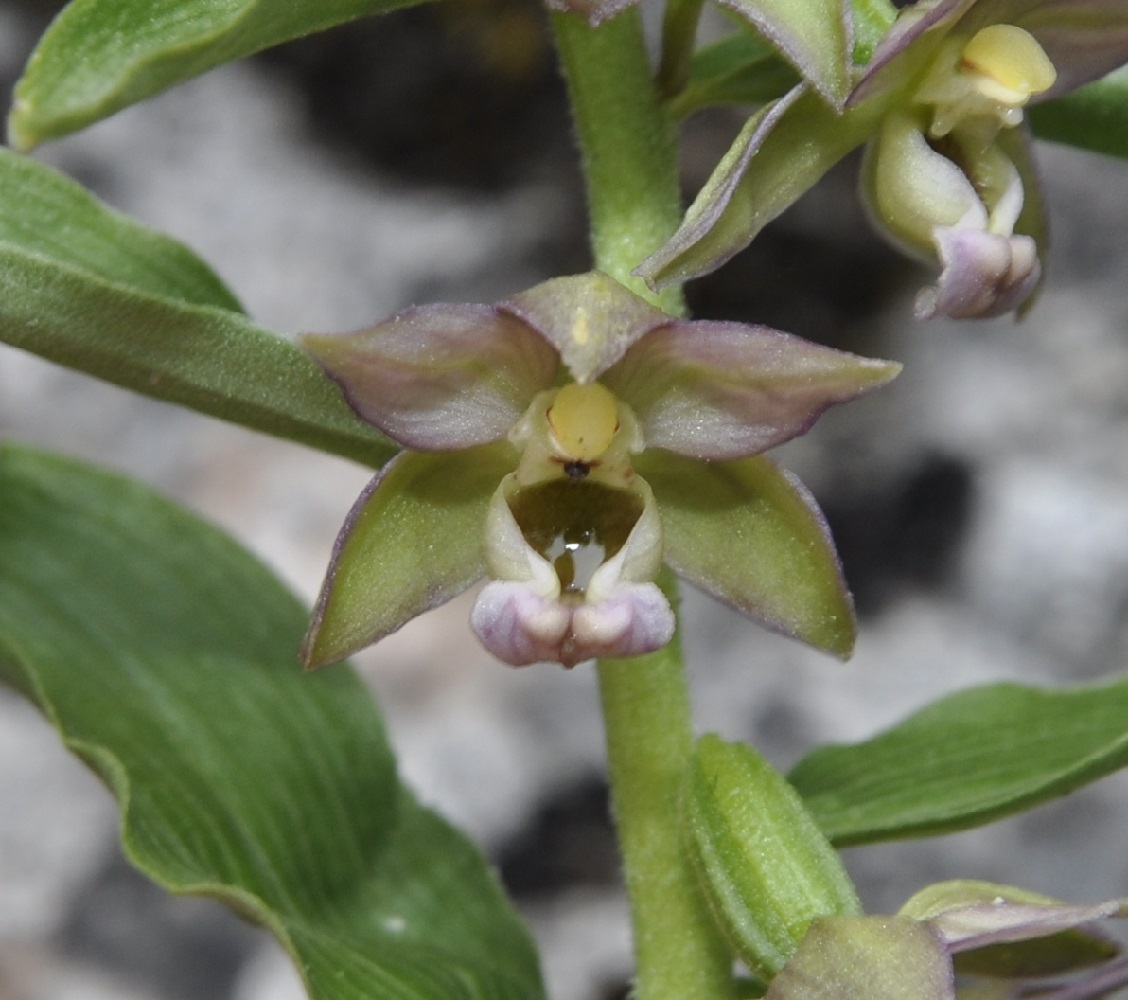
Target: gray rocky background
{"x": 981, "y": 501}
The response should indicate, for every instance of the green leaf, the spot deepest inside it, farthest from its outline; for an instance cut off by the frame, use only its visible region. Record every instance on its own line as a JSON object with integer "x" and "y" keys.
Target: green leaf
{"x": 167, "y": 659}
{"x": 747, "y": 533}
{"x": 99, "y": 56}
{"x": 88, "y": 288}
{"x": 767, "y": 869}
{"x": 966, "y": 760}
{"x": 1094, "y": 117}
{"x": 412, "y": 541}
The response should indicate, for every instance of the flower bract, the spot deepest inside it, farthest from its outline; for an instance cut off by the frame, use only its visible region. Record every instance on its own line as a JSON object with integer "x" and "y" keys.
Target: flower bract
{"x": 948, "y": 174}
{"x": 566, "y": 444}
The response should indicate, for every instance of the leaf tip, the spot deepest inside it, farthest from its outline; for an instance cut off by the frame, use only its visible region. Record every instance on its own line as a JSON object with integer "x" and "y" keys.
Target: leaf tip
{"x": 21, "y": 137}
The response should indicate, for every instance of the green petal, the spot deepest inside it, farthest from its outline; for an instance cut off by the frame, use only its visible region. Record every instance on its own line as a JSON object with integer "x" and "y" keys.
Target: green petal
{"x": 750, "y": 535}
{"x": 767, "y": 868}
{"x": 966, "y": 760}
{"x": 100, "y": 56}
{"x": 166, "y": 657}
{"x": 88, "y": 288}
{"x": 414, "y": 539}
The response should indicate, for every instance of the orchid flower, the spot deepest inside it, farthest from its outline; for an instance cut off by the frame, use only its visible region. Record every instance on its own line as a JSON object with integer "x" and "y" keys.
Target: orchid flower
{"x": 965, "y": 929}
{"x": 565, "y": 444}
{"x": 948, "y": 174}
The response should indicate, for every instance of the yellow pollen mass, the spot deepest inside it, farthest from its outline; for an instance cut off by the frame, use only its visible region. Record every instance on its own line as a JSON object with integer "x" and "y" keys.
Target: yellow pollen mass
{"x": 584, "y": 419}
{"x": 1010, "y": 57}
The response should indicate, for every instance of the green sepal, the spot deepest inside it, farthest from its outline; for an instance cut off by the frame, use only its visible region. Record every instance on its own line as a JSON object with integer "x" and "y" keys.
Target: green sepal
{"x": 99, "y": 56}
{"x": 1094, "y": 117}
{"x": 86, "y": 287}
{"x": 767, "y": 869}
{"x": 750, "y": 535}
{"x": 781, "y": 152}
{"x": 966, "y": 760}
{"x": 414, "y": 539}
{"x": 166, "y": 657}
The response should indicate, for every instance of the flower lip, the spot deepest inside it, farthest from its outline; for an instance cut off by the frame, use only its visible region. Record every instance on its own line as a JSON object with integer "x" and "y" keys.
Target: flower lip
{"x": 538, "y": 608}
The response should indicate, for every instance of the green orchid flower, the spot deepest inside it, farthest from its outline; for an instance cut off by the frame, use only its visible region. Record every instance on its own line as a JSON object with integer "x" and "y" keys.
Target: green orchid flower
{"x": 949, "y": 173}
{"x": 567, "y": 443}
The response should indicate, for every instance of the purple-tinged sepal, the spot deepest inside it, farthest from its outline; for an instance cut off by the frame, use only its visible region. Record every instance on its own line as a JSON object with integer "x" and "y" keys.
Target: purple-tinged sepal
{"x": 717, "y": 390}
{"x": 973, "y": 917}
{"x": 815, "y": 36}
{"x": 439, "y": 377}
{"x": 591, "y": 319}
{"x": 781, "y": 152}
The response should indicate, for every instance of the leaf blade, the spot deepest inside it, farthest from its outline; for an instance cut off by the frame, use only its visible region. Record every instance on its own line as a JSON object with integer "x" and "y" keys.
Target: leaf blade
{"x": 987, "y": 753}
{"x": 168, "y": 659}
{"x": 1095, "y": 117}
{"x": 99, "y": 56}
{"x": 85, "y": 287}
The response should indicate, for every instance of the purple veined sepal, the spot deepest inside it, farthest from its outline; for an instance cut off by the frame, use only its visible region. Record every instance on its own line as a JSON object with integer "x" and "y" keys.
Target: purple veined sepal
{"x": 439, "y": 377}
{"x": 532, "y": 610}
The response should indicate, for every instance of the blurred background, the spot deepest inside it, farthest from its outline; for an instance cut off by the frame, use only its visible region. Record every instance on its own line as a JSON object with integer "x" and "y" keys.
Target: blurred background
{"x": 980, "y": 501}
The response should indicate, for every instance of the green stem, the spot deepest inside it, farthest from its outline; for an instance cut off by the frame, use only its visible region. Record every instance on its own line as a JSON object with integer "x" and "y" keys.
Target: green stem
{"x": 627, "y": 145}
{"x": 629, "y": 153}
{"x": 679, "y": 953}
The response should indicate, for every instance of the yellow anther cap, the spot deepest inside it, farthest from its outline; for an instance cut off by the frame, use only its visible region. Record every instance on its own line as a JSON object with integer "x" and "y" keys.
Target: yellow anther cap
{"x": 584, "y": 419}
{"x": 1010, "y": 57}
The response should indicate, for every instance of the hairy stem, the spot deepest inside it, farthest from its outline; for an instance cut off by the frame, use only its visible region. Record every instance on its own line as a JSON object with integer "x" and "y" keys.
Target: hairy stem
{"x": 627, "y": 146}
{"x": 679, "y": 953}
{"x": 629, "y": 153}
